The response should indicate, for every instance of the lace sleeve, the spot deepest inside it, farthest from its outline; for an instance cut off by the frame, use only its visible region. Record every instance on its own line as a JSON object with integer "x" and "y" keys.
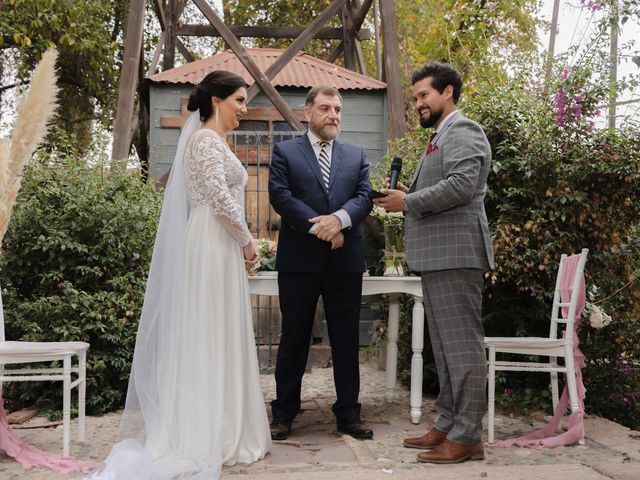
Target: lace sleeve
{"x": 210, "y": 186}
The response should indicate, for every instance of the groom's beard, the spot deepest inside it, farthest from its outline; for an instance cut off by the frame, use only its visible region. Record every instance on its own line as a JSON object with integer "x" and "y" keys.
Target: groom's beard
{"x": 431, "y": 120}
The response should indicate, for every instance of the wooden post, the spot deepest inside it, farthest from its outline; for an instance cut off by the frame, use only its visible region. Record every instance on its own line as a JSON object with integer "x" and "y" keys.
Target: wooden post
{"x": 169, "y": 57}
{"x": 377, "y": 40}
{"x": 127, "y": 88}
{"x": 349, "y": 45}
{"x": 250, "y": 65}
{"x": 142, "y": 146}
{"x": 395, "y": 95}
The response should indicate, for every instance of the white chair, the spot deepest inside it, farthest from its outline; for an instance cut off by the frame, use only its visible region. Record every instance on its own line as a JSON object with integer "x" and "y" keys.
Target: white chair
{"x": 31, "y": 352}
{"x": 552, "y": 347}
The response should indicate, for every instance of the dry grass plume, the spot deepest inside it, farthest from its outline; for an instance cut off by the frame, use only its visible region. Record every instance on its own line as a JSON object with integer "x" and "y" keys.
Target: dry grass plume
{"x": 34, "y": 112}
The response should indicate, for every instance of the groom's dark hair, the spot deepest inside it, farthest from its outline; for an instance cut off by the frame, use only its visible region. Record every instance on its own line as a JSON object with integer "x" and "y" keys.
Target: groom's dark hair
{"x": 441, "y": 74}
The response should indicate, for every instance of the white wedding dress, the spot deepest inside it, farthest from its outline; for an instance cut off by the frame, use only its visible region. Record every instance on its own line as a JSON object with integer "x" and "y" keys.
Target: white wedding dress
{"x": 195, "y": 400}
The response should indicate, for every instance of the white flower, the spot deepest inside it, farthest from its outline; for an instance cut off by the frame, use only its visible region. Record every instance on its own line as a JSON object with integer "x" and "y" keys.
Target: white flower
{"x": 598, "y": 318}
{"x": 387, "y": 217}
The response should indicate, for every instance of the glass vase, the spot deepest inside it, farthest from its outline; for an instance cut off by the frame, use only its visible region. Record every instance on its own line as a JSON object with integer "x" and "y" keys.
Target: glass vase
{"x": 393, "y": 250}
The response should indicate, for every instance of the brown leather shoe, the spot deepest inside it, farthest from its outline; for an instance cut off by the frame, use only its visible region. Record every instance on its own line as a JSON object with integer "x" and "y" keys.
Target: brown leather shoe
{"x": 431, "y": 439}
{"x": 452, "y": 452}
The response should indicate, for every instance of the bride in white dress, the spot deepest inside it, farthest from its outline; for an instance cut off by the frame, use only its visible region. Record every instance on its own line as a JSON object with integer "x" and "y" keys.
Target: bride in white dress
{"x": 194, "y": 401}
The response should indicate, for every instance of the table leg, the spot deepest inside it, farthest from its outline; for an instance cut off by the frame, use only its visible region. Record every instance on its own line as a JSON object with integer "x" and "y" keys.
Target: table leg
{"x": 417, "y": 344}
{"x": 392, "y": 346}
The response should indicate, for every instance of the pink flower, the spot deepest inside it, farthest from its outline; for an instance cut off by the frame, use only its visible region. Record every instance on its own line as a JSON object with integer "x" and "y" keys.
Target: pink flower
{"x": 565, "y": 73}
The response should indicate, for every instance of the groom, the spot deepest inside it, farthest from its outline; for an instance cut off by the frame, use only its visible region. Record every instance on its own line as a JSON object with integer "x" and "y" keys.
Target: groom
{"x": 447, "y": 240}
{"x": 320, "y": 187}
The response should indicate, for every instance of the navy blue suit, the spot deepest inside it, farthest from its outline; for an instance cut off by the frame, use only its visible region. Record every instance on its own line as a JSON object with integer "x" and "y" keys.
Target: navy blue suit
{"x": 307, "y": 267}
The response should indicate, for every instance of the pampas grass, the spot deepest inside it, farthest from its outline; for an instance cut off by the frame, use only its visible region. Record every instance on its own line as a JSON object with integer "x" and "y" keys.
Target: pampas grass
{"x": 34, "y": 112}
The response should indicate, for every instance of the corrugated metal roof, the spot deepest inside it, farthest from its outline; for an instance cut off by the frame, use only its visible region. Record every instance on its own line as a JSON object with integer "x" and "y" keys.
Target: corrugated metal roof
{"x": 303, "y": 71}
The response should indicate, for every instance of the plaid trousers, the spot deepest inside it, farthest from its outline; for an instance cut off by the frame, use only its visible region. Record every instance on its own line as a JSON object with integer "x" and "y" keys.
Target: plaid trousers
{"x": 453, "y": 301}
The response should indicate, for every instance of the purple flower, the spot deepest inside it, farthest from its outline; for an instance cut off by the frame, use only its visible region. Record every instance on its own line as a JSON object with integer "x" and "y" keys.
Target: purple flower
{"x": 577, "y": 110}
{"x": 559, "y": 101}
{"x": 565, "y": 73}
{"x": 627, "y": 369}
{"x": 508, "y": 391}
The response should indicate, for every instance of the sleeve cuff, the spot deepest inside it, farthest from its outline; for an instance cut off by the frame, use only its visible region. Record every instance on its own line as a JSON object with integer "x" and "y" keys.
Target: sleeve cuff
{"x": 344, "y": 217}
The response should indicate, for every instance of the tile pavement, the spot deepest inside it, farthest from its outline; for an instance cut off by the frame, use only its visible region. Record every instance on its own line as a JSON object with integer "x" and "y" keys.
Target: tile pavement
{"x": 315, "y": 451}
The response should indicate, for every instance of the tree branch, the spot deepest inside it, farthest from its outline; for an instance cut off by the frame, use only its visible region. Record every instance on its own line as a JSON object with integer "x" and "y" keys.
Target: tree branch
{"x": 13, "y": 85}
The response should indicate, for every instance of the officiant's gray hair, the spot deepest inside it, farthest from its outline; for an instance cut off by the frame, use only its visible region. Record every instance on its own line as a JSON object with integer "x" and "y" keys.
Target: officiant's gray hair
{"x": 324, "y": 90}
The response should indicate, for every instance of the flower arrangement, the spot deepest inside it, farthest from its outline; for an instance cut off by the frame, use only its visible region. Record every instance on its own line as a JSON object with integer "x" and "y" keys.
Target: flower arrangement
{"x": 393, "y": 226}
{"x": 267, "y": 249}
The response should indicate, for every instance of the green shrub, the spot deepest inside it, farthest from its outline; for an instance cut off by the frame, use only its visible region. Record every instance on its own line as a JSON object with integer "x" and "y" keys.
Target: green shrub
{"x": 74, "y": 267}
{"x": 559, "y": 185}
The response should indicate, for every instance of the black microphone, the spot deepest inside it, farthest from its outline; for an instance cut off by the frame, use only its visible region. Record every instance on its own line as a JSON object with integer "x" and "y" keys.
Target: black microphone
{"x": 396, "y": 166}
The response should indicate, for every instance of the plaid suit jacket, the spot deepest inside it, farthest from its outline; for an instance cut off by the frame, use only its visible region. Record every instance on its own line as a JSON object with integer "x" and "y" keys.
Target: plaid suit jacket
{"x": 446, "y": 224}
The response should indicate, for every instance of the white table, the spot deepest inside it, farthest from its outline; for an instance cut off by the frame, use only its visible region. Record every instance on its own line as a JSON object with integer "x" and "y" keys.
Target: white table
{"x": 268, "y": 285}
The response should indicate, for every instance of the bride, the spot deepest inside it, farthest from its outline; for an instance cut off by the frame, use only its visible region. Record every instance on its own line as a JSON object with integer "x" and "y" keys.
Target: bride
{"x": 194, "y": 401}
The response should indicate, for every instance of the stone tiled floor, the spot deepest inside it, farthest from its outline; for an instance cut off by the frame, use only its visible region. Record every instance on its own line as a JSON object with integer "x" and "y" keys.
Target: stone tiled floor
{"x": 316, "y": 451}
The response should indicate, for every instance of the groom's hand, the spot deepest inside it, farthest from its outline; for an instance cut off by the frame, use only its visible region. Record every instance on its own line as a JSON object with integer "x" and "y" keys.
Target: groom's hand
{"x": 325, "y": 227}
{"x": 393, "y": 200}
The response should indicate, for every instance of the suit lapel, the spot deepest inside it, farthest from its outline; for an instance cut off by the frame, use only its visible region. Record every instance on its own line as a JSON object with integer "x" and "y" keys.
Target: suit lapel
{"x": 304, "y": 145}
{"x": 450, "y": 121}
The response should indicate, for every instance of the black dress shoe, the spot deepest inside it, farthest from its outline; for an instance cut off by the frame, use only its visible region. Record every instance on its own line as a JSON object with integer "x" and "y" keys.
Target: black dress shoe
{"x": 280, "y": 429}
{"x": 356, "y": 428}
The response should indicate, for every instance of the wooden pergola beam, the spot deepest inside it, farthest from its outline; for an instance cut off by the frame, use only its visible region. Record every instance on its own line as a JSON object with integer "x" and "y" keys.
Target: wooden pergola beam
{"x": 358, "y": 20}
{"x": 249, "y": 64}
{"x": 297, "y": 45}
{"x": 184, "y": 51}
{"x": 326, "y": 33}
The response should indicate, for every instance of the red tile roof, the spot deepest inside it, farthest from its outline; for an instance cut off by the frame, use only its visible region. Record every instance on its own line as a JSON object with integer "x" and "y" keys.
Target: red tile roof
{"x": 303, "y": 71}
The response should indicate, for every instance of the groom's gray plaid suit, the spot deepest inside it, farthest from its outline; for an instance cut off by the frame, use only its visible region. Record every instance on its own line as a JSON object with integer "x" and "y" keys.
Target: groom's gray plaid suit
{"x": 447, "y": 240}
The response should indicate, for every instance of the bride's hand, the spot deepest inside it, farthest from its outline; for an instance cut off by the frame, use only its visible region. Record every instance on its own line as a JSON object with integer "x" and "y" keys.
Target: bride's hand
{"x": 251, "y": 255}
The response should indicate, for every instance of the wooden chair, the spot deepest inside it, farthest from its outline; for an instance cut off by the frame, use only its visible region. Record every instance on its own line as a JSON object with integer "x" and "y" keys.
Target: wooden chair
{"x": 15, "y": 352}
{"x": 552, "y": 347}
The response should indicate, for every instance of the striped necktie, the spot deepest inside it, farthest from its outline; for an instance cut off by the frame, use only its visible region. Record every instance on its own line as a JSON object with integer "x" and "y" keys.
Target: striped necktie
{"x": 325, "y": 162}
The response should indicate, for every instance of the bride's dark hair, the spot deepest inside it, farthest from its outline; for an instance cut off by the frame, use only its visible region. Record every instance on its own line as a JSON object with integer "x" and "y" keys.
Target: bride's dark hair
{"x": 218, "y": 83}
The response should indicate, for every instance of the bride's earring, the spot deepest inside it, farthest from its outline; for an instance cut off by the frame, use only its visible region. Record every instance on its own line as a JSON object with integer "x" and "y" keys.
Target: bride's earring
{"x": 217, "y": 117}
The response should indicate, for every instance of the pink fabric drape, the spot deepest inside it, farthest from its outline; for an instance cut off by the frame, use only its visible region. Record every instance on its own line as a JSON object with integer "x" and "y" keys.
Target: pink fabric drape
{"x": 546, "y": 436}
{"x": 29, "y": 456}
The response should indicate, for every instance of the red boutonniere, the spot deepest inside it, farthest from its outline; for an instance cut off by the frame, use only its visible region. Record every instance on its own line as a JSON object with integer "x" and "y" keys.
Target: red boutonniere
{"x": 431, "y": 148}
